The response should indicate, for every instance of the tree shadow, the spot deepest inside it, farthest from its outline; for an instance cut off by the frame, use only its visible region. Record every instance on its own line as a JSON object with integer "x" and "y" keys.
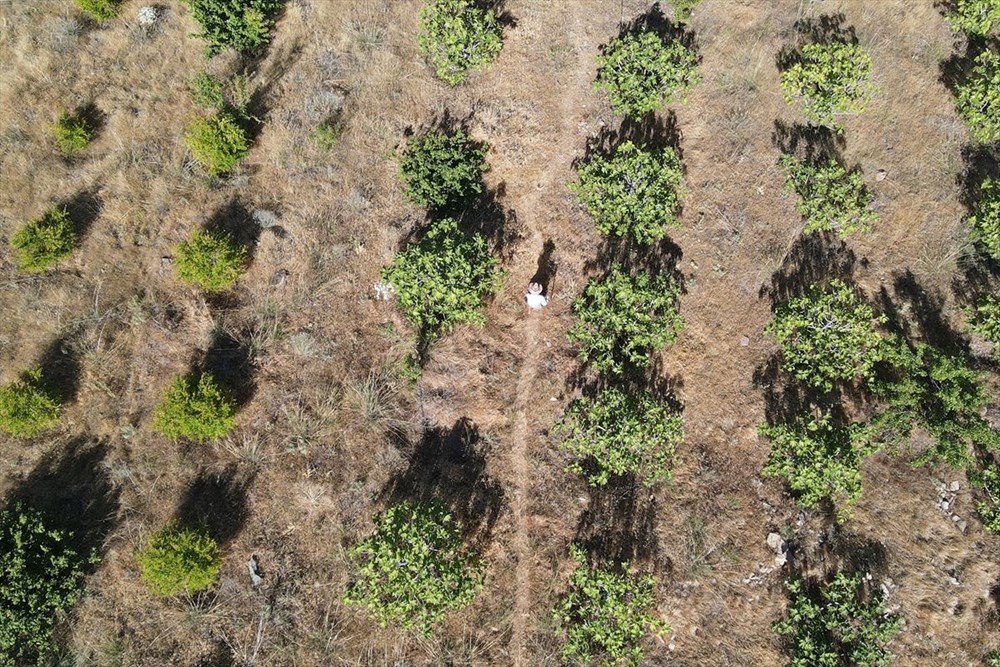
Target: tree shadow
{"x": 619, "y": 524}
{"x": 218, "y": 501}
{"x": 60, "y": 364}
{"x": 230, "y": 362}
{"x": 926, "y": 311}
{"x": 83, "y": 210}
{"x": 235, "y": 220}
{"x": 786, "y": 399}
{"x": 655, "y": 21}
{"x": 813, "y": 259}
{"x": 220, "y": 656}
{"x": 812, "y": 143}
{"x": 448, "y": 466}
{"x": 545, "y": 271}
{"x": 499, "y": 8}
{"x": 843, "y": 551}
{"x": 654, "y": 131}
{"x": 955, "y": 70}
{"x": 823, "y": 29}
{"x": 487, "y": 216}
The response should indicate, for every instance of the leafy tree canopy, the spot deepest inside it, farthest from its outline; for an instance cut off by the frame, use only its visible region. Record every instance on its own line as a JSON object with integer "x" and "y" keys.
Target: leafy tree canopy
{"x": 244, "y": 25}
{"x": 442, "y": 170}
{"x": 211, "y": 260}
{"x": 978, "y": 17}
{"x": 44, "y": 241}
{"x": 195, "y": 408}
{"x": 28, "y": 406}
{"x": 830, "y": 79}
{"x": 830, "y": 197}
{"x": 459, "y": 38}
{"x": 978, "y": 98}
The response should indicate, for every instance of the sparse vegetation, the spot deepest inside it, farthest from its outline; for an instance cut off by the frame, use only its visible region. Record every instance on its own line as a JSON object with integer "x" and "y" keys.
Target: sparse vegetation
{"x": 985, "y": 320}
{"x": 44, "y": 241}
{"x": 211, "y": 260}
{"x": 829, "y": 79}
{"x": 987, "y": 478}
{"x": 207, "y": 91}
{"x": 633, "y": 192}
{"x": 100, "y": 10}
{"x": 218, "y": 142}
{"x": 72, "y": 133}
{"x": 178, "y": 559}
{"x": 442, "y": 170}
{"x": 984, "y": 219}
{"x": 830, "y": 197}
{"x": 244, "y": 25}
{"x": 27, "y": 406}
{"x": 195, "y": 408}
{"x": 683, "y": 8}
{"x": 978, "y": 98}
{"x": 459, "y": 37}
{"x": 978, "y": 17}
{"x": 640, "y": 71}
{"x": 414, "y": 569}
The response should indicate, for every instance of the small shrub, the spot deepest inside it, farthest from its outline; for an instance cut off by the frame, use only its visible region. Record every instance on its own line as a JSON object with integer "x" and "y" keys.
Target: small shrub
{"x": 640, "y": 71}
{"x": 27, "y": 406}
{"x": 634, "y": 192}
{"x": 830, "y": 79}
{"x": 414, "y": 569}
{"x": 985, "y": 219}
{"x": 978, "y": 17}
{"x": 682, "y": 9}
{"x": 827, "y": 336}
{"x": 211, "y": 260}
{"x": 100, "y": 10}
{"x": 244, "y": 25}
{"x": 820, "y": 460}
{"x": 206, "y": 91}
{"x": 831, "y": 198}
{"x": 458, "y": 37}
{"x": 442, "y": 170}
{"x": 621, "y": 433}
{"x": 72, "y": 133}
{"x": 195, "y": 408}
{"x": 978, "y": 98}
{"x": 42, "y": 580}
{"x": 606, "y": 614}
{"x": 180, "y": 560}
{"x": 985, "y": 320}
{"x": 444, "y": 279}
{"x": 327, "y": 134}
{"x": 218, "y": 142}
{"x": 622, "y": 320}
{"x": 987, "y": 478}
{"x": 44, "y": 241}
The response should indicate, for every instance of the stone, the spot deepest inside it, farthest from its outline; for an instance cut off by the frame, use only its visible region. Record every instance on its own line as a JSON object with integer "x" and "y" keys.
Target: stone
{"x": 953, "y": 487}
{"x": 253, "y": 565}
{"x": 279, "y": 277}
{"x": 880, "y": 175}
{"x": 744, "y": 341}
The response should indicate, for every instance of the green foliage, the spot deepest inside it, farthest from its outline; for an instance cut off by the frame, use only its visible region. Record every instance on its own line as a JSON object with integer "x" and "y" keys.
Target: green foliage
{"x": 218, "y": 142}
{"x": 195, "y": 408}
{"x": 42, "y": 580}
{"x": 985, "y": 320}
{"x": 458, "y": 37}
{"x": 414, "y": 569}
{"x": 837, "y": 624}
{"x": 978, "y": 17}
{"x": 72, "y": 133}
{"x": 206, "y": 90}
{"x": 829, "y": 79}
{"x": 985, "y": 219}
{"x": 327, "y": 134}
{"x": 442, "y": 170}
{"x": 244, "y": 25}
{"x": 634, "y": 192}
{"x": 44, "y": 241}
{"x": 621, "y": 433}
{"x": 622, "y": 320}
{"x": 682, "y": 9}
{"x": 605, "y": 614}
{"x": 100, "y": 10}
{"x": 827, "y": 336}
{"x": 987, "y": 478}
{"x": 978, "y": 98}
{"x": 819, "y": 459}
{"x": 992, "y": 659}
{"x": 27, "y": 406}
{"x": 831, "y": 198}
{"x": 212, "y": 260}
{"x": 444, "y": 279}
{"x": 180, "y": 560}
{"x": 640, "y": 71}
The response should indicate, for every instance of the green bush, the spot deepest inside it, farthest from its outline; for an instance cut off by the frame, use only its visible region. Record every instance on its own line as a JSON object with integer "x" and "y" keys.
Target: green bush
{"x": 27, "y": 406}
{"x": 978, "y": 17}
{"x": 211, "y": 260}
{"x": 985, "y": 320}
{"x": 985, "y": 219}
{"x": 819, "y": 459}
{"x": 207, "y": 91}
{"x": 827, "y": 336}
{"x": 623, "y": 320}
{"x": 442, "y": 170}
{"x": 180, "y": 560}
{"x": 978, "y": 98}
{"x": 42, "y": 580}
{"x": 837, "y": 623}
{"x": 414, "y": 569}
{"x": 682, "y": 9}
{"x": 72, "y": 133}
{"x": 621, "y": 433}
{"x": 633, "y": 192}
{"x": 831, "y": 198}
{"x": 244, "y": 25}
{"x": 218, "y": 142}
{"x": 444, "y": 279}
{"x": 458, "y": 37}
{"x": 987, "y": 478}
{"x": 992, "y": 659}
{"x": 605, "y": 614}
{"x": 100, "y": 10}
{"x": 44, "y": 241}
{"x": 830, "y": 79}
{"x": 640, "y": 71}
{"x": 195, "y": 408}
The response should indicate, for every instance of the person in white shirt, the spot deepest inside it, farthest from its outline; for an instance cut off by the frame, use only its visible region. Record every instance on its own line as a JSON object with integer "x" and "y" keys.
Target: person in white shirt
{"x": 534, "y": 299}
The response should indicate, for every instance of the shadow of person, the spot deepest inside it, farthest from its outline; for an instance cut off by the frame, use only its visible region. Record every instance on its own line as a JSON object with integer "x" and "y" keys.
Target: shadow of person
{"x": 545, "y": 273}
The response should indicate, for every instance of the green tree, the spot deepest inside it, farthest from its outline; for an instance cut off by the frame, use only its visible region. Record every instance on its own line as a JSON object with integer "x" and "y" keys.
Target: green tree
{"x": 28, "y": 406}
{"x": 244, "y": 25}
{"x": 633, "y": 192}
{"x": 819, "y": 459}
{"x": 100, "y": 10}
{"x": 44, "y": 241}
{"x": 827, "y": 336}
{"x": 985, "y": 219}
{"x": 42, "y": 580}
{"x": 180, "y": 560}
{"x": 978, "y": 17}
{"x": 72, "y": 133}
{"x": 444, "y": 279}
{"x": 641, "y": 70}
{"x": 459, "y": 38}
{"x": 837, "y": 623}
{"x": 218, "y": 142}
{"x": 442, "y": 170}
{"x": 211, "y": 260}
{"x": 830, "y": 197}
{"x": 978, "y": 98}
{"x": 619, "y": 433}
{"x": 605, "y": 614}
{"x": 195, "y": 408}
{"x": 830, "y": 79}
{"x": 622, "y": 320}
{"x": 414, "y": 569}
